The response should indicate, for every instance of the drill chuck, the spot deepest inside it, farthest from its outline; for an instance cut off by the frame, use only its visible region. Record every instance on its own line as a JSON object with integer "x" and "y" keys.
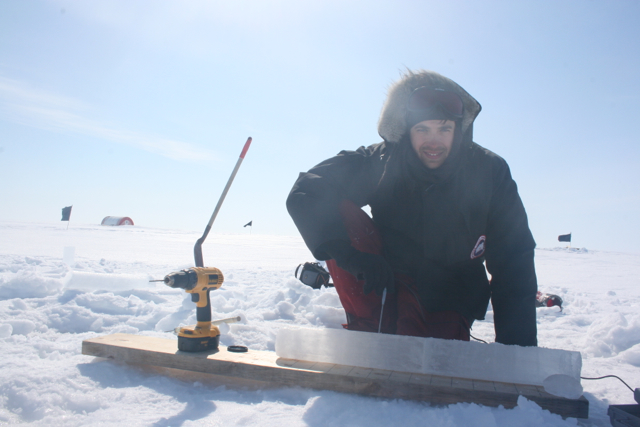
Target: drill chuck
{"x": 202, "y": 278}
{"x": 185, "y": 279}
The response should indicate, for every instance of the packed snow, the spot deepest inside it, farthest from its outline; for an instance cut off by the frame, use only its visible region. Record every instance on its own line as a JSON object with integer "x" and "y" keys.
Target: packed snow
{"x": 60, "y": 286}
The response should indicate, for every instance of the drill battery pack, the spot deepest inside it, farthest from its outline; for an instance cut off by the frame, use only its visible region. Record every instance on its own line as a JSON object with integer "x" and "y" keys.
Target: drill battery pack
{"x": 198, "y": 344}
{"x": 198, "y": 338}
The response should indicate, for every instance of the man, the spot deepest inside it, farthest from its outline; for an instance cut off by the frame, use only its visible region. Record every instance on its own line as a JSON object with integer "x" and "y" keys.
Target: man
{"x": 441, "y": 206}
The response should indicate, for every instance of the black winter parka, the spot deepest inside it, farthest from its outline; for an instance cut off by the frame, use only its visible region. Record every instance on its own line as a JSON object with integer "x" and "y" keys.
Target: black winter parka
{"x": 438, "y": 229}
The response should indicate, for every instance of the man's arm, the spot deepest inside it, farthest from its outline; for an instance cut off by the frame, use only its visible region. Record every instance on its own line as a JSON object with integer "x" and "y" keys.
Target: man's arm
{"x": 314, "y": 201}
{"x": 510, "y": 261}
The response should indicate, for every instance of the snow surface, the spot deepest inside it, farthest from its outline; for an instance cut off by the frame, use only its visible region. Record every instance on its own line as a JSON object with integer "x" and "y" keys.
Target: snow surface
{"x": 47, "y": 307}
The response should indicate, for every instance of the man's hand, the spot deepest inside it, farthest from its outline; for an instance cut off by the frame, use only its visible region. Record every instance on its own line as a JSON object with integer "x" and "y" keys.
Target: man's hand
{"x": 373, "y": 269}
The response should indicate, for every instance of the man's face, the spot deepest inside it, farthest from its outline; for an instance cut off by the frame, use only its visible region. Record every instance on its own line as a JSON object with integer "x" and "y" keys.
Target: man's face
{"x": 432, "y": 141}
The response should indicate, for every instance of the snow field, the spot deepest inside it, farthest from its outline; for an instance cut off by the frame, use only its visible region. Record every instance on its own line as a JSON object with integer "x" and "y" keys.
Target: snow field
{"x": 47, "y": 307}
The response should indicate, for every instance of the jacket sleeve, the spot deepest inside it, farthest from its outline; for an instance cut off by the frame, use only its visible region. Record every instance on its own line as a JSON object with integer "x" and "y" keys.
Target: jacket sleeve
{"x": 314, "y": 201}
{"x": 510, "y": 261}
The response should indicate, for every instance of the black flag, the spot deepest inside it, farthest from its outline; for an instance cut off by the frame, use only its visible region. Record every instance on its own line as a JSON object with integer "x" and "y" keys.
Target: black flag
{"x": 564, "y": 238}
{"x": 66, "y": 213}
{"x": 249, "y": 224}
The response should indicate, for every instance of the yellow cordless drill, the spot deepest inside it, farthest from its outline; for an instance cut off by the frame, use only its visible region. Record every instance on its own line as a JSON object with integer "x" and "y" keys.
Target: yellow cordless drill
{"x": 198, "y": 281}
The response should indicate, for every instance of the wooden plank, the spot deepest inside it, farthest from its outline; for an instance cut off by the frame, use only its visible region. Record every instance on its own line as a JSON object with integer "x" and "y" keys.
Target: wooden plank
{"x": 505, "y": 387}
{"x": 484, "y": 385}
{"x": 286, "y": 362}
{"x": 437, "y": 380}
{"x": 267, "y": 367}
{"x": 528, "y": 390}
{"x": 360, "y": 372}
{"x": 422, "y": 379}
{"x": 322, "y": 367}
{"x": 380, "y": 374}
{"x": 402, "y": 377}
{"x": 341, "y": 370}
{"x": 303, "y": 364}
{"x": 462, "y": 383}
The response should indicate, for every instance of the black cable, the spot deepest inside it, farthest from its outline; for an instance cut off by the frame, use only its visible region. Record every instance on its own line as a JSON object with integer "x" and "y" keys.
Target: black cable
{"x": 608, "y": 376}
{"x": 478, "y": 339}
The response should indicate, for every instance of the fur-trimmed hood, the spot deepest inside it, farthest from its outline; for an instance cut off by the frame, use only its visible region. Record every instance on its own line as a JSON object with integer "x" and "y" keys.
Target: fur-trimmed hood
{"x": 393, "y": 119}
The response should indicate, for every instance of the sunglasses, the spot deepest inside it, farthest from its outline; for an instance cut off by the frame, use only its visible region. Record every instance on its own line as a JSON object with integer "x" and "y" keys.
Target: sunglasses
{"x": 424, "y": 98}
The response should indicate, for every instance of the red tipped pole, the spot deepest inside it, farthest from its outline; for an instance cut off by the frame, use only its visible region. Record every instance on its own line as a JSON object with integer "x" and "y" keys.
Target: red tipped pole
{"x": 197, "y": 250}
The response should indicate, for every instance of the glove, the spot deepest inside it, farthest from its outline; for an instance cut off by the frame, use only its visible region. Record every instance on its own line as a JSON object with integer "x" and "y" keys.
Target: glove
{"x": 373, "y": 269}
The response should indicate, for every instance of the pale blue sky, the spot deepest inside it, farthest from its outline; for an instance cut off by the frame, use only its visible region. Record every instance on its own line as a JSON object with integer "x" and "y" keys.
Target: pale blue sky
{"x": 141, "y": 108}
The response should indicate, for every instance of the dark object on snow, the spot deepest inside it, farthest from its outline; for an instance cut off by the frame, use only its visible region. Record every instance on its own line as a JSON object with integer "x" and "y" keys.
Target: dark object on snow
{"x": 548, "y": 300}
{"x": 314, "y": 275}
{"x": 237, "y": 349}
{"x": 564, "y": 238}
{"x": 117, "y": 220}
{"x": 249, "y": 224}
{"x": 66, "y": 213}
{"x": 624, "y": 415}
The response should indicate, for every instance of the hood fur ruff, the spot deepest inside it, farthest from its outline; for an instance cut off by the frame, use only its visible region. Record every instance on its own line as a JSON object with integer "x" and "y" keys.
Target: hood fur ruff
{"x": 393, "y": 119}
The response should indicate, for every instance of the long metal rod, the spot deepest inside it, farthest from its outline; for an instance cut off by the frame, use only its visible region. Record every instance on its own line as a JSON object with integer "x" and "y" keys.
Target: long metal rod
{"x": 197, "y": 250}
{"x": 227, "y": 320}
{"x": 384, "y": 297}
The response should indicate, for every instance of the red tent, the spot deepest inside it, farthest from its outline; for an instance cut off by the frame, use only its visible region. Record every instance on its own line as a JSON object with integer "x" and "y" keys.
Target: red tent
{"x": 117, "y": 220}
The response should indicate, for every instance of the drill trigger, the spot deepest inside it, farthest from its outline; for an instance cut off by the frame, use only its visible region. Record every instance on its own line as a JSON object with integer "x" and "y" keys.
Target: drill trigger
{"x": 195, "y": 297}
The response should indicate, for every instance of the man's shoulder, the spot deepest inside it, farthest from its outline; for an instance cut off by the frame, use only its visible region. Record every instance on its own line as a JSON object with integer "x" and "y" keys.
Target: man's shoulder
{"x": 371, "y": 158}
{"x": 485, "y": 157}
{"x": 372, "y": 150}
{"x": 362, "y": 159}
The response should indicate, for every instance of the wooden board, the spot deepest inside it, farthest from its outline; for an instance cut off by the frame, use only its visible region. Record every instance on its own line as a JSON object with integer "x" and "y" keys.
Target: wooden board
{"x": 266, "y": 366}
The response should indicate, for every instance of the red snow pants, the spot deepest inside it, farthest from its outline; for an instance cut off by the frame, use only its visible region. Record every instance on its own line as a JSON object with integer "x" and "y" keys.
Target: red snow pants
{"x": 403, "y": 313}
